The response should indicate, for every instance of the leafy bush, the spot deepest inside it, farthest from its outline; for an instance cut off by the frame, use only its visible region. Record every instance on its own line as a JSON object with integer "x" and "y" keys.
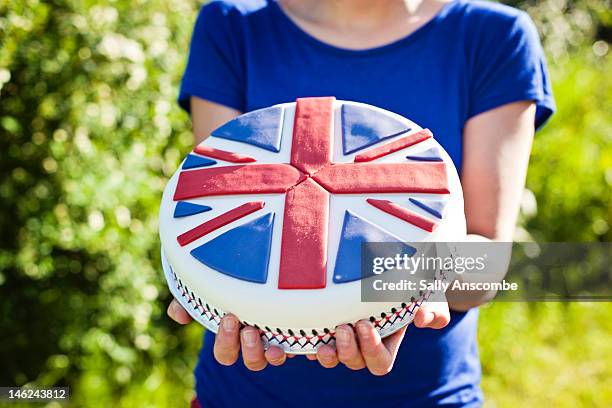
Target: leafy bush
{"x": 533, "y": 354}
{"x": 89, "y": 135}
{"x": 571, "y": 159}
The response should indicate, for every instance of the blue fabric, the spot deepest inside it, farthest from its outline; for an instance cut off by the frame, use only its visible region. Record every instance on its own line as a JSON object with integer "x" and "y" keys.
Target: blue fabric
{"x": 472, "y": 57}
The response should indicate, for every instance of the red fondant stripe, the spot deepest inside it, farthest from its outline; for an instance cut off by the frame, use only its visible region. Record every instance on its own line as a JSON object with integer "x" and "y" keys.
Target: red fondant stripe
{"x": 404, "y": 214}
{"x": 223, "y": 154}
{"x": 394, "y": 146}
{"x": 303, "y": 260}
{"x": 242, "y": 179}
{"x": 360, "y": 178}
{"x": 312, "y": 133}
{"x": 219, "y": 221}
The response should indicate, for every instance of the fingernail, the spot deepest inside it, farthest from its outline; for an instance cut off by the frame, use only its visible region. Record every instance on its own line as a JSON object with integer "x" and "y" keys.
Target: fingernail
{"x": 325, "y": 358}
{"x": 250, "y": 337}
{"x": 276, "y": 359}
{"x": 342, "y": 337}
{"x": 429, "y": 317}
{"x": 364, "y": 331}
{"x": 229, "y": 324}
{"x": 173, "y": 310}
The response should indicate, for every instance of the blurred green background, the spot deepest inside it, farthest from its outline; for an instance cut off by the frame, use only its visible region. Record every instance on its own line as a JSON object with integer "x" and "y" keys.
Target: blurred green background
{"x": 90, "y": 132}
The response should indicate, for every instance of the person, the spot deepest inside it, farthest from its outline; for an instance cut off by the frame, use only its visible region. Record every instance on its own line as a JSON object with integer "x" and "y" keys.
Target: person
{"x": 471, "y": 71}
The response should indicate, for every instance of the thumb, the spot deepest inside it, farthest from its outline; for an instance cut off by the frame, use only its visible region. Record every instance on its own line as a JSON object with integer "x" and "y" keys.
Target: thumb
{"x": 434, "y": 315}
{"x": 177, "y": 313}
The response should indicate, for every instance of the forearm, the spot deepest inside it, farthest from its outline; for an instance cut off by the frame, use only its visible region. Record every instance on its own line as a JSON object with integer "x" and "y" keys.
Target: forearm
{"x": 496, "y": 267}
{"x": 459, "y": 302}
{"x": 496, "y": 154}
{"x": 207, "y": 116}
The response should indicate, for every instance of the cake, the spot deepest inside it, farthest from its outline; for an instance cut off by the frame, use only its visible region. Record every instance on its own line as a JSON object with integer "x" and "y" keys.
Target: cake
{"x": 266, "y": 218}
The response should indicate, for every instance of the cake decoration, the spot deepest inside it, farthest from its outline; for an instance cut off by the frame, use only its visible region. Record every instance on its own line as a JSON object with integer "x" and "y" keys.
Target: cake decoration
{"x": 362, "y": 128}
{"x": 185, "y": 209}
{"x": 437, "y": 208}
{"x": 404, "y": 214}
{"x": 431, "y": 154}
{"x": 192, "y": 161}
{"x": 242, "y": 252}
{"x": 312, "y": 129}
{"x": 219, "y": 221}
{"x": 303, "y": 260}
{"x": 397, "y": 144}
{"x": 260, "y": 128}
{"x": 355, "y": 232}
{"x": 223, "y": 154}
{"x": 241, "y": 179}
{"x": 295, "y": 191}
{"x": 352, "y": 178}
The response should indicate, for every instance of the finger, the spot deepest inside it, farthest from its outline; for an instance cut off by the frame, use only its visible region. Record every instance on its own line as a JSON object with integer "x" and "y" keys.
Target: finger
{"x": 177, "y": 313}
{"x": 434, "y": 315}
{"x": 347, "y": 348}
{"x": 275, "y": 356}
{"x": 227, "y": 341}
{"x": 290, "y": 355}
{"x": 252, "y": 349}
{"x": 327, "y": 356}
{"x": 377, "y": 358}
{"x": 311, "y": 357}
{"x": 393, "y": 341}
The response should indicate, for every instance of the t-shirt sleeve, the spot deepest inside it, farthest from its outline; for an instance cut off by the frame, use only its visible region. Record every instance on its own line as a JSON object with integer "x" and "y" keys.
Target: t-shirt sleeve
{"x": 509, "y": 66}
{"x": 214, "y": 66}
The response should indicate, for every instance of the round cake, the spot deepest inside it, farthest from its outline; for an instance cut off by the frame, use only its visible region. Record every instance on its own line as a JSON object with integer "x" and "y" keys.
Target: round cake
{"x": 266, "y": 218}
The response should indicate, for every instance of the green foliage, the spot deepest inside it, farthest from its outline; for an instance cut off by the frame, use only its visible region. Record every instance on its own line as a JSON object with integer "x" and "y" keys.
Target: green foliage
{"x": 570, "y": 170}
{"x": 89, "y": 134}
{"x": 568, "y": 25}
{"x": 546, "y": 354}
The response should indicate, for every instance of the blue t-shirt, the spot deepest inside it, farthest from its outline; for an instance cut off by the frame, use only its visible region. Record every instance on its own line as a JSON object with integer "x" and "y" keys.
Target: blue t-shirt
{"x": 472, "y": 57}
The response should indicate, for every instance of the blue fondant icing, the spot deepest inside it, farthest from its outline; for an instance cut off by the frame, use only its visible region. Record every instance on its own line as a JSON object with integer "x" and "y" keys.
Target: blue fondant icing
{"x": 436, "y": 208}
{"x": 363, "y": 127}
{"x": 192, "y": 161}
{"x": 431, "y": 154}
{"x": 242, "y": 252}
{"x": 260, "y": 128}
{"x": 355, "y": 231}
{"x": 184, "y": 209}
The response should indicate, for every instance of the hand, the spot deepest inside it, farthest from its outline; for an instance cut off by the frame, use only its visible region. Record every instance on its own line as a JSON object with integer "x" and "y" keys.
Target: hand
{"x": 367, "y": 349}
{"x": 230, "y": 339}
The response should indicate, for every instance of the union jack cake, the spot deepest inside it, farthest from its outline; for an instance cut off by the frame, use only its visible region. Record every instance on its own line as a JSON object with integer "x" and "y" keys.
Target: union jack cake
{"x": 267, "y": 217}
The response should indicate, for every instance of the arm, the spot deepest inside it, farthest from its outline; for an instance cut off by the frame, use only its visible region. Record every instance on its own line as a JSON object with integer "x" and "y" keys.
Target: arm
{"x": 207, "y": 116}
{"x": 496, "y": 147}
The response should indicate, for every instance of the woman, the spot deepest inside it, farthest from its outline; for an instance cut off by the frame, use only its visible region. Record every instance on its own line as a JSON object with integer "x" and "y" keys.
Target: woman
{"x": 473, "y": 72}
